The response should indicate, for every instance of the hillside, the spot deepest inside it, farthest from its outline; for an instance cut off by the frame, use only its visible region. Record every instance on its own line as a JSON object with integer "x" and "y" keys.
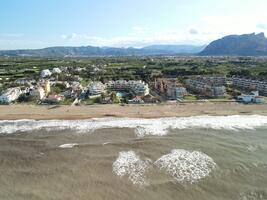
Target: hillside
{"x": 238, "y": 45}
{"x": 85, "y": 51}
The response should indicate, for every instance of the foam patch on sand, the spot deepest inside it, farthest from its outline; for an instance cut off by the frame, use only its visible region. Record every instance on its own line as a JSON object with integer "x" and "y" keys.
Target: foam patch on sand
{"x": 130, "y": 165}
{"x": 185, "y": 166}
{"x": 68, "y": 146}
{"x": 143, "y": 127}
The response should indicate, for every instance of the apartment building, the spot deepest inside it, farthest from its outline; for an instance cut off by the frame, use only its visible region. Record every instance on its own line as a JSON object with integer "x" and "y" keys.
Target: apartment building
{"x": 25, "y": 81}
{"x": 212, "y": 86}
{"x": 96, "y": 88}
{"x": 251, "y": 84}
{"x": 10, "y": 95}
{"x": 45, "y": 73}
{"x": 139, "y": 88}
{"x": 170, "y": 87}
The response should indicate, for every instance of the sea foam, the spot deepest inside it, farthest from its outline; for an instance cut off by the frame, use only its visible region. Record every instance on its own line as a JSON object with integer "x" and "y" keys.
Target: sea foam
{"x": 143, "y": 127}
{"x": 131, "y": 165}
{"x": 185, "y": 166}
{"x": 68, "y": 146}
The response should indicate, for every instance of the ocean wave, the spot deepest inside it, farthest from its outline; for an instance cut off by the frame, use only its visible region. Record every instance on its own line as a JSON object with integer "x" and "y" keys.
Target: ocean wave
{"x": 185, "y": 166}
{"x": 159, "y": 126}
{"x": 131, "y": 165}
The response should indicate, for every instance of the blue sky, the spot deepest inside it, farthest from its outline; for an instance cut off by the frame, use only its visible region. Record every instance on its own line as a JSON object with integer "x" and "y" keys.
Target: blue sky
{"x": 124, "y": 23}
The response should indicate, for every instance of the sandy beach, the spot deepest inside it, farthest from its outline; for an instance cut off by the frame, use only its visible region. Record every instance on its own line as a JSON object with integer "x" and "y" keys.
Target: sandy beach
{"x": 14, "y": 112}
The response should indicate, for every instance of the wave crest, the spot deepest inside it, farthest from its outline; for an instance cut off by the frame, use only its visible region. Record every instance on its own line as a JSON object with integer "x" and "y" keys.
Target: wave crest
{"x": 142, "y": 127}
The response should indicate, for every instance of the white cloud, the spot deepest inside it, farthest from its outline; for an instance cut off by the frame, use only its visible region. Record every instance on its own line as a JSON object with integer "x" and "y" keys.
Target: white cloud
{"x": 193, "y": 31}
{"x": 140, "y": 30}
{"x": 262, "y": 26}
{"x": 136, "y": 40}
{"x": 203, "y": 31}
{"x": 70, "y": 36}
{"x": 233, "y": 24}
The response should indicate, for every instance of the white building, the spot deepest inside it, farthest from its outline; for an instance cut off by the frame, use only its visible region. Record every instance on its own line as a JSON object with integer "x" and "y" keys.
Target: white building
{"x": 45, "y": 73}
{"x": 25, "y": 81}
{"x": 139, "y": 88}
{"x": 10, "y": 95}
{"x": 253, "y": 97}
{"x": 96, "y": 88}
{"x": 38, "y": 93}
{"x": 75, "y": 85}
{"x": 56, "y": 71}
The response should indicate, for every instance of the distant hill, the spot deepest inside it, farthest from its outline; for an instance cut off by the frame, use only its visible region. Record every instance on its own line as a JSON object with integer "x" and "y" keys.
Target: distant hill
{"x": 238, "y": 45}
{"x": 176, "y": 49}
{"x": 85, "y": 51}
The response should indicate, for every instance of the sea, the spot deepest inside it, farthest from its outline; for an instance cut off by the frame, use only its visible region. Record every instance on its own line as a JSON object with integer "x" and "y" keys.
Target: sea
{"x": 187, "y": 158}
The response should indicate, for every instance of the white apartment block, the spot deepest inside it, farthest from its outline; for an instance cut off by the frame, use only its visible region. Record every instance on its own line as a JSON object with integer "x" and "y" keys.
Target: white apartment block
{"x": 56, "y": 70}
{"x": 139, "y": 88}
{"x": 25, "y": 81}
{"x": 45, "y": 73}
{"x": 96, "y": 88}
{"x": 10, "y": 95}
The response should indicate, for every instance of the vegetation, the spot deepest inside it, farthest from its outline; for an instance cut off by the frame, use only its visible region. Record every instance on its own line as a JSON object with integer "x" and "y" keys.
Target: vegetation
{"x": 144, "y": 68}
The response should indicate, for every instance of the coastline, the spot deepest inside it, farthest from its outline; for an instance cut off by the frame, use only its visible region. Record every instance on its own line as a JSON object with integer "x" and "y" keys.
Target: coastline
{"x": 37, "y": 112}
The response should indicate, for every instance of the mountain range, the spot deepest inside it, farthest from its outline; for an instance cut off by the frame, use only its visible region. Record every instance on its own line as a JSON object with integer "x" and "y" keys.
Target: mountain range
{"x": 232, "y": 45}
{"x": 105, "y": 51}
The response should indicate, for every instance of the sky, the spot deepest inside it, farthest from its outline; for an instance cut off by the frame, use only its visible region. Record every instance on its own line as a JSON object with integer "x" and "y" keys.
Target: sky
{"x": 35, "y": 24}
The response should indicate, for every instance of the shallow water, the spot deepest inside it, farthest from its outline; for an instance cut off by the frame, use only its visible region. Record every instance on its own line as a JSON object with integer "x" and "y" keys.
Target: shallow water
{"x": 141, "y": 159}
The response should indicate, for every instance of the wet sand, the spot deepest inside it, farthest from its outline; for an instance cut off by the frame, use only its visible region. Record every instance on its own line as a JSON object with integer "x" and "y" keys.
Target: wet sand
{"x": 14, "y": 112}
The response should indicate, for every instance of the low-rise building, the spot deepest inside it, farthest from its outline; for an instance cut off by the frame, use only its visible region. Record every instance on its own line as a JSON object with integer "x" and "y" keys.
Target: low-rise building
{"x": 53, "y": 99}
{"x": 25, "y": 81}
{"x": 253, "y": 97}
{"x": 46, "y": 73}
{"x": 56, "y": 71}
{"x": 136, "y": 100}
{"x": 10, "y": 95}
{"x": 39, "y": 93}
{"x": 150, "y": 99}
{"x": 69, "y": 93}
{"x": 75, "y": 85}
{"x": 106, "y": 100}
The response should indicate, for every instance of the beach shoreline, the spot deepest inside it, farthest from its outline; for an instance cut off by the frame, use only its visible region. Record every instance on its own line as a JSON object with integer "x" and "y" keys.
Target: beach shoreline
{"x": 37, "y": 112}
